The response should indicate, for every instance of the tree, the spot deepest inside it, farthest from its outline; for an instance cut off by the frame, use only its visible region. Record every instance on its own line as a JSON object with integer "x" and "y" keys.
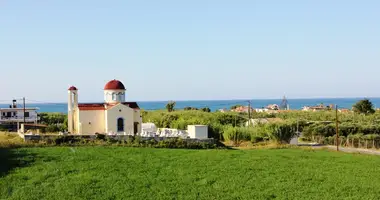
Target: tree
{"x": 190, "y": 108}
{"x": 235, "y": 106}
{"x": 364, "y": 106}
{"x": 170, "y": 106}
{"x": 187, "y": 108}
{"x": 206, "y": 109}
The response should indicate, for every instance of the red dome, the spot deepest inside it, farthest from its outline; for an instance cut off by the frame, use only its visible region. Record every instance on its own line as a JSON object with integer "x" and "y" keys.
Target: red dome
{"x": 114, "y": 85}
{"x": 73, "y": 88}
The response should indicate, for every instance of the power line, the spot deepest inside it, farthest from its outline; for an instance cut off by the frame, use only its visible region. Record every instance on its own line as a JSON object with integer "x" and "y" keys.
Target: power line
{"x": 44, "y": 102}
{"x": 6, "y": 100}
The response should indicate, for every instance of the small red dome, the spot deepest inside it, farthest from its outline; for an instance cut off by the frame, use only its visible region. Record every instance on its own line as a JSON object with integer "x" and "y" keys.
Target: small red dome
{"x": 114, "y": 85}
{"x": 73, "y": 88}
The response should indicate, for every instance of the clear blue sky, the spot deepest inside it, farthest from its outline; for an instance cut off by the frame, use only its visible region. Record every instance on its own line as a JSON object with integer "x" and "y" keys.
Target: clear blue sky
{"x": 198, "y": 49}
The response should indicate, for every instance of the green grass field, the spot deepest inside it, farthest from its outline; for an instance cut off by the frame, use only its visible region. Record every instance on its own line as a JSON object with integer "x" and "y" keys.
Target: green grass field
{"x": 145, "y": 173}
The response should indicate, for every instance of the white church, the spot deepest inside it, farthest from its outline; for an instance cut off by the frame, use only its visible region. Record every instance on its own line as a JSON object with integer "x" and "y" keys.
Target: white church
{"x": 114, "y": 115}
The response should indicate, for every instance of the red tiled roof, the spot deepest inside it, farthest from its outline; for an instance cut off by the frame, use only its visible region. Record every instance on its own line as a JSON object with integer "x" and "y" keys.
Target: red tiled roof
{"x": 105, "y": 106}
{"x": 91, "y": 106}
{"x": 72, "y": 88}
{"x": 114, "y": 85}
{"x": 133, "y": 105}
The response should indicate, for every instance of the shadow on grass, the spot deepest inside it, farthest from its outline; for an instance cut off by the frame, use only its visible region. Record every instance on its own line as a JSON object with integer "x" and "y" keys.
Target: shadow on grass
{"x": 221, "y": 145}
{"x": 11, "y": 158}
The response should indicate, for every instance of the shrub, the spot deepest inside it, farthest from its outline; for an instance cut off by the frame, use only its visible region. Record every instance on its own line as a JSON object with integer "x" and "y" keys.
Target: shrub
{"x": 237, "y": 134}
{"x": 68, "y": 139}
{"x": 54, "y": 128}
{"x": 100, "y": 136}
{"x": 256, "y": 139}
{"x": 282, "y": 132}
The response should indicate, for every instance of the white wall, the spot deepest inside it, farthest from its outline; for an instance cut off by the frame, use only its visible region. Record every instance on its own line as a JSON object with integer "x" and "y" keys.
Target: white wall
{"x": 18, "y": 115}
{"x": 198, "y": 131}
{"x": 116, "y": 112}
{"x": 92, "y": 121}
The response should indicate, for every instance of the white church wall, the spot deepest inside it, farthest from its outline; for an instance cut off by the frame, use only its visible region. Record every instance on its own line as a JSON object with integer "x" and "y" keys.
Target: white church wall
{"x": 92, "y": 121}
{"x": 116, "y": 112}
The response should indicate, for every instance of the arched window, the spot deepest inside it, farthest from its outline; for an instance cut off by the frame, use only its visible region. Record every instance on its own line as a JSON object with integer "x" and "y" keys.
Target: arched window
{"x": 114, "y": 96}
{"x": 120, "y": 125}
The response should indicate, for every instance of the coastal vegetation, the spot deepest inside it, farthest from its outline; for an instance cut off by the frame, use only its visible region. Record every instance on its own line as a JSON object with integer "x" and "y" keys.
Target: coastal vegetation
{"x": 148, "y": 173}
{"x": 359, "y": 127}
{"x": 56, "y": 122}
{"x": 12, "y": 140}
{"x": 320, "y": 126}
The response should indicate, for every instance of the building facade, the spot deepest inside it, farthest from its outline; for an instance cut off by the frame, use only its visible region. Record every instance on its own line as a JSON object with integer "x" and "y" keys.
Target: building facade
{"x": 113, "y": 116}
{"x": 15, "y": 114}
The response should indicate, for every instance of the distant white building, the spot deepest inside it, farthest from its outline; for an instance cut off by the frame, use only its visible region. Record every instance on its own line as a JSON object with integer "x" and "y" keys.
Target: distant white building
{"x": 148, "y": 127}
{"x": 15, "y": 114}
{"x": 198, "y": 131}
{"x": 261, "y": 110}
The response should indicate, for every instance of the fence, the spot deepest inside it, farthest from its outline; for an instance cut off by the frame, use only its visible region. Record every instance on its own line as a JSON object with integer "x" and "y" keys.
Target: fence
{"x": 353, "y": 142}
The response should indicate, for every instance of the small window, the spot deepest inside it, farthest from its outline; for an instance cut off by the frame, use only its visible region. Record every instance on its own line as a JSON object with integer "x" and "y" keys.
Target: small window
{"x": 26, "y": 114}
{"x": 120, "y": 125}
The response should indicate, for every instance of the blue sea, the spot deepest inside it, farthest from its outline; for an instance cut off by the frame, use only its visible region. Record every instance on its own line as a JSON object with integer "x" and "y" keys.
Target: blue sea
{"x": 294, "y": 104}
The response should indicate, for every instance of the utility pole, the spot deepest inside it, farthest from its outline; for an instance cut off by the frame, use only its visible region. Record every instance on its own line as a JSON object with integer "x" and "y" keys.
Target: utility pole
{"x": 337, "y": 128}
{"x": 23, "y": 99}
{"x": 249, "y": 113}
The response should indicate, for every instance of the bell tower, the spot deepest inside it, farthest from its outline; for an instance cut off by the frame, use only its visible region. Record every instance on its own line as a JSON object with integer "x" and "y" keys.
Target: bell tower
{"x": 72, "y": 109}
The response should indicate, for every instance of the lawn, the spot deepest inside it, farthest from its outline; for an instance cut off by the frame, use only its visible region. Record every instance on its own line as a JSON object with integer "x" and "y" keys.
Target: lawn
{"x": 147, "y": 173}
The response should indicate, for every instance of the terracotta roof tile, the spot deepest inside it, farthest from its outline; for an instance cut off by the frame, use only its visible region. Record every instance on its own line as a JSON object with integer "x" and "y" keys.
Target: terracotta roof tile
{"x": 133, "y": 105}
{"x": 114, "y": 85}
{"x": 105, "y": 106}
{"x": 91, "y": 106}
{"x": 72, "y": 88}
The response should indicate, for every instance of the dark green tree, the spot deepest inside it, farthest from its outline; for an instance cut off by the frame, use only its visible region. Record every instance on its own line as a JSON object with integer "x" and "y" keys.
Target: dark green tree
{"x": 187, "y": 108}
{"x": 170, "y": 106}
{"x": 364, "y": 106}
{"x": 206, "y": 109}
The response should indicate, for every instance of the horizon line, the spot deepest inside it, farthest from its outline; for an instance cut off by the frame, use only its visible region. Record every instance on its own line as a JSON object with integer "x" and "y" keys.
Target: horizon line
{"x": 146, "y": 101}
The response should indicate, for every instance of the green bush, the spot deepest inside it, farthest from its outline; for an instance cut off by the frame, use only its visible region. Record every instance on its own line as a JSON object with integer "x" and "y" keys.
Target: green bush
{"x": 256, "y": 139}
{"x": 53, "y": 128}
{"x": 100, "y": 136}
{"x": 237, "y": 134}
{"x": 69, "y": 139}
{"x": 282, "y": 132}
